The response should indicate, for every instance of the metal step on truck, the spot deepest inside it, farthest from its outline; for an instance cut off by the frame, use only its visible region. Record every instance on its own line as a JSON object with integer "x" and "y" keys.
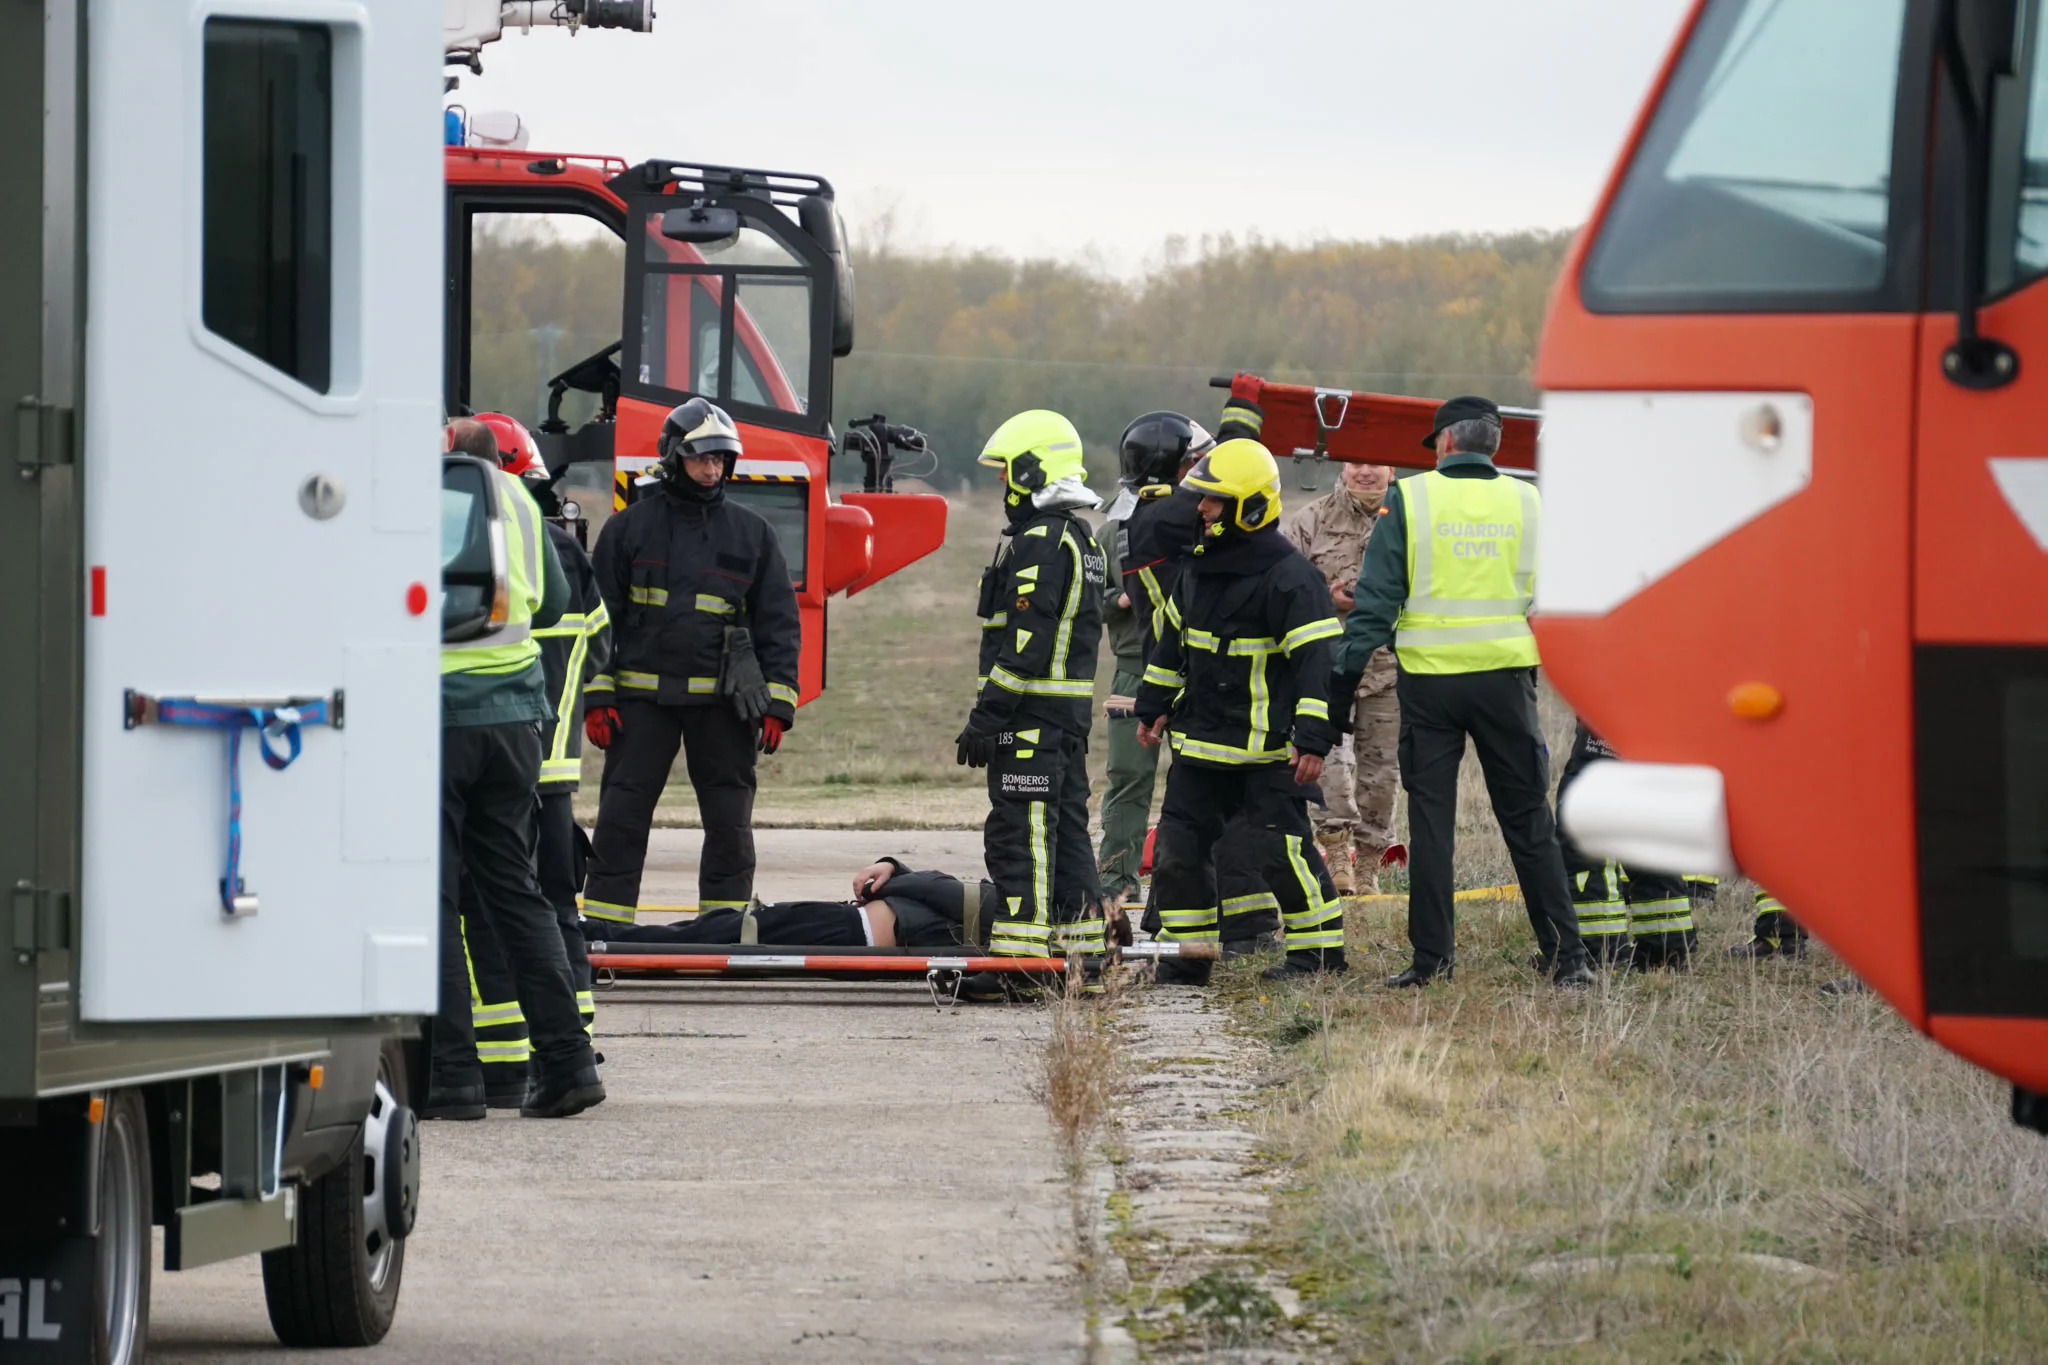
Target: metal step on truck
{"x": 222, "y": 533}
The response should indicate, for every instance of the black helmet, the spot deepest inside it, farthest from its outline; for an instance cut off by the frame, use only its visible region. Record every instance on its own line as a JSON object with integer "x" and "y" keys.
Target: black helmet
{"x": 1155, "y": 446}
{"x": 698, "y": 427}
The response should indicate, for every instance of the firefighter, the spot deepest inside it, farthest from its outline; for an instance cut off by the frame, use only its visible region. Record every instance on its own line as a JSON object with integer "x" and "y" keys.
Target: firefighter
{"x": 1154, "y": 453}
{"x": 1628, "y": 916}
{"x": 572, "y": 651}
{"x": 1237, "y": 686}
{"x": 1448, "y": 580}
{"x": 705, "y": 643}
{"x": 493, "y": 704}
{"x": 1776, "y": 933}
{"x": 1040, "y": 608}
{"x": 1356, "y": 827}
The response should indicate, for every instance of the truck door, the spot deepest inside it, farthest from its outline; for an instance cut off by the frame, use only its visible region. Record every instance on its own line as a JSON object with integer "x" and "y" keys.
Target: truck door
{"x": 1730, "y": 366}
{"x": 259, "y": 477}
{"x": 1980, "y": 570}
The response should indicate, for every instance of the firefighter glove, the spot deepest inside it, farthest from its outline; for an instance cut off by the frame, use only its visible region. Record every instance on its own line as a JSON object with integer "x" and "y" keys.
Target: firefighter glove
{"x": 740, "y": 678}
{"x": 601, "y": 726}
{"x": 976, "y": 746}
{"x": 772, "y": 730}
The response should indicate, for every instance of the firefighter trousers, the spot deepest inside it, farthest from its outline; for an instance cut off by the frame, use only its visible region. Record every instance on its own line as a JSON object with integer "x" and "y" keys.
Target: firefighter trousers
{"x": 1624, "y": 914}
{"x": 1497, "y": 710}
{"x": 718, "y": 750}
{"x": 489, "y": 827}
{"x": 1127, "y": 802}
{"x": 1267, "y": 815}
{"x": 1035, "y": 845}
{"x": 1246, "y": 906}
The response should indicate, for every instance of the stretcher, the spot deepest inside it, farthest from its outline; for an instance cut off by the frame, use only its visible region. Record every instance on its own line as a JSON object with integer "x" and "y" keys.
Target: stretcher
{"x": 942, "y": 971}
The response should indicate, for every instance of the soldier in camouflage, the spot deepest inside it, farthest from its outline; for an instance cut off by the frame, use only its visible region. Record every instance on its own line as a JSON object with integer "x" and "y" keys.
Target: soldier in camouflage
{"x": 1356, "y": 827}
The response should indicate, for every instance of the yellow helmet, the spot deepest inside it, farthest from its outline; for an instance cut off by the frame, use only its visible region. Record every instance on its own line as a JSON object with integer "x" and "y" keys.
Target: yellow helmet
{"x": 1034, "y": 449}
{"x": 1241, "y": 472}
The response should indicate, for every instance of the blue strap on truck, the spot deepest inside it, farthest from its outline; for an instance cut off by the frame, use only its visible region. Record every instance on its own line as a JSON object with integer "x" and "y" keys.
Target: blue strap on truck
{"x": 278, "y": 726}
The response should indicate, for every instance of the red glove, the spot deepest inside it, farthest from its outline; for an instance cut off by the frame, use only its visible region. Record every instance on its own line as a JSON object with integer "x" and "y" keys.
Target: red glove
{"x": 772, "y": 731}
{"x": 601, "y": 726}
{"x": 1246, "y": 386}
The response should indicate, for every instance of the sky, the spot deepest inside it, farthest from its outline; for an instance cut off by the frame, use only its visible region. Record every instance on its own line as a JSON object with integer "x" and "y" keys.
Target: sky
{"x": 1100, "y": 130}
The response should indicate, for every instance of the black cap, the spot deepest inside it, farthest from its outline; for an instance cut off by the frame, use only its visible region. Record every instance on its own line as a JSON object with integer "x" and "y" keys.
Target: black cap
{"x": 1465, "y": 408}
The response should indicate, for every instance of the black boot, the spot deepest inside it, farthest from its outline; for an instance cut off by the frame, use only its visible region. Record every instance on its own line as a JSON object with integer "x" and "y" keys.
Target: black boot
{"x": 453, "y": 1101}
{"x": 563, "y": 1095}
{"x": 1181, "y": 971}
{"x": 506, "y": 1094}
{"x": 1306, "y": 962}
{"x": 1421, "y": 976}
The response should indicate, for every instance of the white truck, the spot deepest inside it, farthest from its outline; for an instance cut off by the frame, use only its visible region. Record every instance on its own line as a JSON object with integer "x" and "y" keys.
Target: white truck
{"x": 221, "y": 547}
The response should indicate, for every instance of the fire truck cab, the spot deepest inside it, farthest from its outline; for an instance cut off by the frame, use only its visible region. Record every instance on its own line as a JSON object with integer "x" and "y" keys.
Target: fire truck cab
{"x": 733, "y": 285}
{"x": 1795, "y": 562}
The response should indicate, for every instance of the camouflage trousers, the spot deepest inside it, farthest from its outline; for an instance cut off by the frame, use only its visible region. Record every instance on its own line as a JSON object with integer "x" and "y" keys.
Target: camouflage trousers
{"x": 1361, "y": 775}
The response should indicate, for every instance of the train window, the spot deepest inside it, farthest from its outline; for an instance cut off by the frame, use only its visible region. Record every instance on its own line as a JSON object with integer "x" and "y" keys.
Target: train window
{"x": 1764, "y": 181}
{"x": 267, "y": 193}
{"x": 1981, "y": 759}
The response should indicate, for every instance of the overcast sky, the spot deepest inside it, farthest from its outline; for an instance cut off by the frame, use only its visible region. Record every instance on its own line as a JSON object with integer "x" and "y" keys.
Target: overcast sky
{"x": 1066, "y": 127}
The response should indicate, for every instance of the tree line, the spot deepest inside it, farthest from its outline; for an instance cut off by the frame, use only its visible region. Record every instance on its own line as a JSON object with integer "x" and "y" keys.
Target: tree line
{"x": 954, "y": 342}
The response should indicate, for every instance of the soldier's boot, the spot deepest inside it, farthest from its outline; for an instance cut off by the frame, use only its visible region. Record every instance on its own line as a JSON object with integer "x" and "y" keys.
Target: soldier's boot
{"x": 1365, "y": 873}
{"x": 1336, "y": 846}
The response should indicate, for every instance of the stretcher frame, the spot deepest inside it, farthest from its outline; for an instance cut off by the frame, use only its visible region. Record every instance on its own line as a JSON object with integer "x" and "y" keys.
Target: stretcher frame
{"x": 942, "y": 971}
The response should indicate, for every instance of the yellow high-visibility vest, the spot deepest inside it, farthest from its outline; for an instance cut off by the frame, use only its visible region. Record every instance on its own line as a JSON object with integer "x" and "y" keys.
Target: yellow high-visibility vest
{"x": 513, "y": 648}
{"x": 1471, "y": 574}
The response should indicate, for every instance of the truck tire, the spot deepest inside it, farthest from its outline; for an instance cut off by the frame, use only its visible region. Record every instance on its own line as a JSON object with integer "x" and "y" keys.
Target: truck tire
{"x": 338, "y": 1287}
{"x": 121, "y": 1287}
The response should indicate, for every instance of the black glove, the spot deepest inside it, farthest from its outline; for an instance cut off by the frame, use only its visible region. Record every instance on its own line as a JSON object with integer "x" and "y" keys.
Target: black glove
{"x": 740, "y": 677}
{"x": 977, "y": 747}
{"x": 1343, "y": 699}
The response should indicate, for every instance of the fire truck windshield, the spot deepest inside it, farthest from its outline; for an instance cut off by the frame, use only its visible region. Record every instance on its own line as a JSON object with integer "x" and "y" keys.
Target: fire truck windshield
{"x": 1762, "y": 182}
{"x": 685, "y": 319}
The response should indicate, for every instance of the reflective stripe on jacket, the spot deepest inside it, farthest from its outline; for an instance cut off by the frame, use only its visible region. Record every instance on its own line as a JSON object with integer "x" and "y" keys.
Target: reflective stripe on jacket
{"x": 573, "y": 650}
{"x": 1471, "y": 574}
{"x": 511, "y": 649}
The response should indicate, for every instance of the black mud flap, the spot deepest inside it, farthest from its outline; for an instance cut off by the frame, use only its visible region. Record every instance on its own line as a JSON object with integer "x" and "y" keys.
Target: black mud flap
{"x": 46, "y": 1301}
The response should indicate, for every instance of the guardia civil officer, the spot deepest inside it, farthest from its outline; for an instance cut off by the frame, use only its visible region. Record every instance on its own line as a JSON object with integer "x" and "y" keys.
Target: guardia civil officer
{"x": 706, "y": 640}
{"x": 1448, "y": 581}
{"x": 1040, "y": 609}
{"x": 1238, "y": 686}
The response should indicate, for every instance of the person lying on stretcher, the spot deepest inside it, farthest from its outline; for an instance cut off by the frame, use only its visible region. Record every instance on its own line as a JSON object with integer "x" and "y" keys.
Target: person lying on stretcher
{"x": 893, "y": 906}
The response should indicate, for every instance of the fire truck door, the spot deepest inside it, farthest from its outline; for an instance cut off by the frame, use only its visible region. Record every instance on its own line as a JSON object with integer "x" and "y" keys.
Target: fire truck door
{"x": 1980, "y": 575}
{"x": 259, "y": 475}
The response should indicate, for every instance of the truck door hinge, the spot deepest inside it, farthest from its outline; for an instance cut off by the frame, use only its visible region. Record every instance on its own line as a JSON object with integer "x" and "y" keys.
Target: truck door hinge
{"x": 41, "y": 919}
{"x": 43, "y": 435}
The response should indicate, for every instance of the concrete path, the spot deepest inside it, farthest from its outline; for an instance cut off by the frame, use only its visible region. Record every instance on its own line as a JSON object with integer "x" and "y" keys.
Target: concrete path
{"x": 813, "y": 1172}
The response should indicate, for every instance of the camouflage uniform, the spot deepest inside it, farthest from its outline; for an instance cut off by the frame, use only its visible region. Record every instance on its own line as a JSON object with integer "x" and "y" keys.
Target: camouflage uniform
{"x": 1360, "y": 774}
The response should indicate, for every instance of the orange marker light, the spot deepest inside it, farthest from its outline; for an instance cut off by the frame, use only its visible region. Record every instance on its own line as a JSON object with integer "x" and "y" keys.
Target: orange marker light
{"x": 95, "y": 1109}
{"x": 1755, "y": 701}
{"x": 316, "y": 1076}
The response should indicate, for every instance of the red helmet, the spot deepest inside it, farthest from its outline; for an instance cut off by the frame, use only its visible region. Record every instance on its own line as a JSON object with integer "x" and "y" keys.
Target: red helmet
{"x": 517, "y": 454}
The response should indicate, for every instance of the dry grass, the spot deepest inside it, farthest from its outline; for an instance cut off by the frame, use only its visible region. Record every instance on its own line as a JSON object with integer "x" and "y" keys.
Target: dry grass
{"x": 1451, "y": 1139}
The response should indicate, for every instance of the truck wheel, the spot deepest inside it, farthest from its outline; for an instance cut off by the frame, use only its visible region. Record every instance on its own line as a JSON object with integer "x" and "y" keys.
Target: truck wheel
{"x": 121, "y": 1288}
{"x": 339, "y": 1285}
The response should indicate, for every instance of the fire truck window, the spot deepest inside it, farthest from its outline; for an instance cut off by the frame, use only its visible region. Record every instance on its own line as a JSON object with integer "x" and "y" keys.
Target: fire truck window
{"x": 1763, "y": 183}
{"x": 786, "y": 509}
{"x": 2018, "y": 217}
{"x": 267, "y": 186}
{"x": 543, "y": 294}
{"x": 775, "y": 339}
{"x": 679, "y": 333}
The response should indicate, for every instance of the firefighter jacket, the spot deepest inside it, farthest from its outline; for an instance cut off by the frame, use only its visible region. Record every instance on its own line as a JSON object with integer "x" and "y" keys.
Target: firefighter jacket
{"x": 934, "y": 910}
{"x": 1041, "y": 624}
{"x": 1155, "y": 542}
{"x": 573, "y": 650}
{"x": 1332, "y": 532}
{"x": 1247, "y": 670}
{"x": 674, "y": 572}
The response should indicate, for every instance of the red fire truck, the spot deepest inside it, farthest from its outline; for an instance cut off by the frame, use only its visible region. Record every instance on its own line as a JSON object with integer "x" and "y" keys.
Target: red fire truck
{"x": 735, "y": 286}
{"x": 1796, "y": 490}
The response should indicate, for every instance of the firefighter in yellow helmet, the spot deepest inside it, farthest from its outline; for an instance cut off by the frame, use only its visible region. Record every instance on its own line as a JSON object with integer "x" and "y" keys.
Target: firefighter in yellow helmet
{"x": 1040, "y": 608}
{"x": 1238, "y": 686}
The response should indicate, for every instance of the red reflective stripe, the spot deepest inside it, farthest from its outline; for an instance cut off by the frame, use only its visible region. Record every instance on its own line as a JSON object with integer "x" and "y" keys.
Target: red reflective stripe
{"x": 99, "y": 590}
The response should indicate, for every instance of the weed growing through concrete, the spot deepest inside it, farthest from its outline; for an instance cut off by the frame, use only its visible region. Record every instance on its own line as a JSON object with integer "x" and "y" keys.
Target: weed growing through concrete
{"x": 1081, "y": 1071}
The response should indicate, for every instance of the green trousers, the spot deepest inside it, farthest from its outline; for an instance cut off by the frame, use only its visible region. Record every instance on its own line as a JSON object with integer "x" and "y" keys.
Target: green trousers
{"x": 1127, "y": 805}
